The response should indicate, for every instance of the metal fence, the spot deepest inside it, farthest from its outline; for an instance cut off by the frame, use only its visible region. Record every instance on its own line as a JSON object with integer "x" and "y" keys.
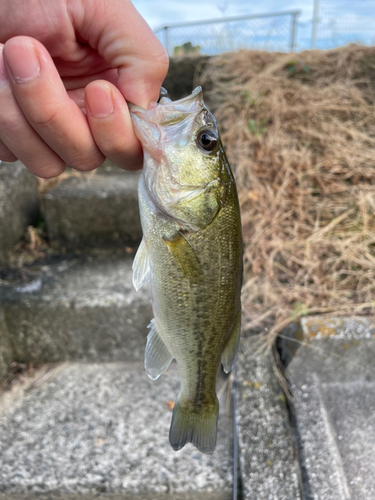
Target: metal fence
{"x": 274, "y": 32}
{"x": 324, "y": 24}
{"x": 339, "y": 23}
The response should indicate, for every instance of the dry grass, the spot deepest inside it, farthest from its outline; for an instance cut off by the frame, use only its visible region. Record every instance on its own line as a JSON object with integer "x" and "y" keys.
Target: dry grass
{"x": 299, "y": 130}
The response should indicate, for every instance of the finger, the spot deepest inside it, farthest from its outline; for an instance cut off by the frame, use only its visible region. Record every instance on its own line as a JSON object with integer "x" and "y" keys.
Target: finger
{"x": 6, "y": 154}
{"x": 46, "y": 105}
{"x": 78, "y": 96}
{"x": 124, "y": 39}
{"x": 19, "y": 138}
{"x": 75, "y": 82}
{"x": 111, "y": 126}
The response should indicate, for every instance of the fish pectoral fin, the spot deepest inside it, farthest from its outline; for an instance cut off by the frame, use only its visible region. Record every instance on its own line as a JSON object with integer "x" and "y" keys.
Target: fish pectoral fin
{"x": 230, "y": 351}
{"x": 157, "y": 356}
{"x": 184, "y": 256}
{"x": 141, "y": 266}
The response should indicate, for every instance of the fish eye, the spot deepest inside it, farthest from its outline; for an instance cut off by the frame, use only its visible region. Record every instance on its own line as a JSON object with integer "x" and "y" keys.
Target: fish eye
{"x": 207, "y": 139}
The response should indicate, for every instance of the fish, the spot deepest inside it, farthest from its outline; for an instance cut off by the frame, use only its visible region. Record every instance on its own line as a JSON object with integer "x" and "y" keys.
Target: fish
{"x": 191, "y": 253}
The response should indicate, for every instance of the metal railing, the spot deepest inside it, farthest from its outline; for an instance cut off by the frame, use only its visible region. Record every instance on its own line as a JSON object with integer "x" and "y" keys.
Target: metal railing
{"x": 276, "y": 31}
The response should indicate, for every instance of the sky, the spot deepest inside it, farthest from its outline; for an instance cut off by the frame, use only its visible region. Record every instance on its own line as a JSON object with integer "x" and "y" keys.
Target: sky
{"x": 160, "y": 13}
{"x": 350, "y": 14}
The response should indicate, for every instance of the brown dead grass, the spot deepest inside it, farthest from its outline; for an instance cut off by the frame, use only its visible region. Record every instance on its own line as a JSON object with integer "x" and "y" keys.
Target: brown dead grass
{"x": 45, "y": 185}
{"x": 299, "y": 130}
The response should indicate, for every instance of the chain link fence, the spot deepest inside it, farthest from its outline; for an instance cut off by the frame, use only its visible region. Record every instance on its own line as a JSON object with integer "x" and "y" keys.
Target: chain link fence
{"x": 343, "y": 22}
{"x": 273, "y": 32}
{"x": 334, "y": 23}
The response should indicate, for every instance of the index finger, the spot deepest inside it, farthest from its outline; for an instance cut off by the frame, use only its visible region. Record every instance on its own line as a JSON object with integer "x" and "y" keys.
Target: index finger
{"x": 127, "y": 43}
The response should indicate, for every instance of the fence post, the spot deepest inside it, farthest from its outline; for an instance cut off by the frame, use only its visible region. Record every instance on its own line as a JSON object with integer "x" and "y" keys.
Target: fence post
{"x": 293, "y": 33}
{"x": 315, "y": 24}
{"x": 166, "y": 39}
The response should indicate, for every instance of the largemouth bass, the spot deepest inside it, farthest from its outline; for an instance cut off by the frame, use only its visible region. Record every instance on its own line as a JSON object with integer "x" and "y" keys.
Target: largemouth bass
{"x": 191, "y": 253}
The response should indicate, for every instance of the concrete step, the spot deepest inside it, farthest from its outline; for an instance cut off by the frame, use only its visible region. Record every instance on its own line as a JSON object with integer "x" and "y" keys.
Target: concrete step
{"x": 266, "y": 450}
{"x": 19, "y": 204}
{"x": 75, "y": 307}
{"x": 98, "y": 210}
{"x": 6, "y": 348}
{"x": 330, "y": 369}
{"x": 102, "y": 429}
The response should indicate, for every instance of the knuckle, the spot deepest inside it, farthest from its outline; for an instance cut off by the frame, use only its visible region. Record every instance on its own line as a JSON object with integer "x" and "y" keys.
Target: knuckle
{"x": 10, "y": 123}
{"x": 47, "y": 118}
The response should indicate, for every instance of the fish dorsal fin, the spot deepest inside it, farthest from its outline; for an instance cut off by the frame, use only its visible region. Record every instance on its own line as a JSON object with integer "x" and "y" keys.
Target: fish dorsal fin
{"x": 141, "y": 266}
{"x": 230, "y": 351}
{"x": 184, "y": 257}
{"x": 157, "y": 356}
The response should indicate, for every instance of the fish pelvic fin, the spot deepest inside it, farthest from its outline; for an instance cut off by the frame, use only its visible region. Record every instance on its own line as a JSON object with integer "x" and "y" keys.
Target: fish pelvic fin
{"x": 196, "y": 425}
{"x": 157, "y": 355}
{"x": 141, "y": 266}
{"x": 229, "y": 355}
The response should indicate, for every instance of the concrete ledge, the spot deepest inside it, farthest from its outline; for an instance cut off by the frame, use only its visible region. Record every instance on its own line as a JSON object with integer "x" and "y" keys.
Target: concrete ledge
{"x": 6, "y": 350}
{"x": 103, "y": 430}
{"x": 19, "y": 204}
{"x": 123, "y": 496}
{"x": 77, "y": 308}
{"x": 97, "y": 211}
{"x": 330, "y": 367}
{"x": 268, "y": 467}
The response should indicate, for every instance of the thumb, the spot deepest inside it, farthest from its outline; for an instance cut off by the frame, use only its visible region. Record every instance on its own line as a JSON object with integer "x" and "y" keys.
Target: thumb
{"x": 126, "y": 42}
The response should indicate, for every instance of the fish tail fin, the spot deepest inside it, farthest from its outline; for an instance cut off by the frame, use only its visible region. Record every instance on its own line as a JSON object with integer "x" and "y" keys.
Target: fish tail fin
{"x": 194, "y": 425}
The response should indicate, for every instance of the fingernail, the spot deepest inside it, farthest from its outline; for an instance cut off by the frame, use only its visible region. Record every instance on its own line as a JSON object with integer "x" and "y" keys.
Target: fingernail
{"x": 22, "y": 62}
{"x": 99, "y": 100}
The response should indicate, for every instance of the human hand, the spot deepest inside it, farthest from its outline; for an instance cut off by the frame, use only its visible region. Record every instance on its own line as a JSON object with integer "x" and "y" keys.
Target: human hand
{"x": 66, "y": 71}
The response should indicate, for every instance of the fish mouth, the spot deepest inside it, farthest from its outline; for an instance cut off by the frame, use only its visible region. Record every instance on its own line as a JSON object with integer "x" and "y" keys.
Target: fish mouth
{"x": 164, "y": 94}
{"x": 153, "y": 126}
{"x": 168, "y": 112}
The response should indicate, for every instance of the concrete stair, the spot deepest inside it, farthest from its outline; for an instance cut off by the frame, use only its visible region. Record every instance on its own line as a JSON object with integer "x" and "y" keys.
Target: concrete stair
{"x": 332, "y": 378}
{"x": 94, "y": 211}
{"x": 92, "y": 423}
{"x": 102, "y": 429}
{"x": 76, "y": 307}
{"x": 19, "y": 205}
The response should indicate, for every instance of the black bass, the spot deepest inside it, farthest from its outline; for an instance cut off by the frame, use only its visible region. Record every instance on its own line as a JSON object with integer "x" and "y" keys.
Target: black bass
{"x": 191, "y": 253}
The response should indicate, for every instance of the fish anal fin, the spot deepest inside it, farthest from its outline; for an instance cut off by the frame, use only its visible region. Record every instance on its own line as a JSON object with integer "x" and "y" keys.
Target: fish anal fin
{"x": 157, "y": 355}
{"x": 194, "y": 425}
{"x": 141, "y": 266}
{"x": 184, "y": 256}
{"x": 230, "y": 351}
